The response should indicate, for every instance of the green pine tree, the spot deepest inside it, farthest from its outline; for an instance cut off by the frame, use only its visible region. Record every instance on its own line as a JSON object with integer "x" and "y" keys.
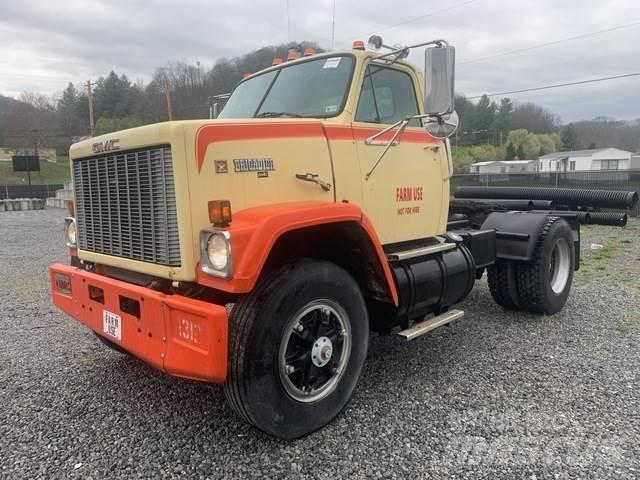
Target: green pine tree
{"x": 511, "y": 152}
{"x": 569, "y": 136}
{"x": 520, "y": 153}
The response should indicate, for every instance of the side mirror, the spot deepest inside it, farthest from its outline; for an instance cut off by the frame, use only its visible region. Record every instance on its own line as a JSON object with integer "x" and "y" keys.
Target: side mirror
{"x": 439, "y": 78}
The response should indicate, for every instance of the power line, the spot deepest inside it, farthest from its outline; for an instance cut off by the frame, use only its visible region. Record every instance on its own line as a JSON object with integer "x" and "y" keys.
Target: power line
{"x": 582, "y": 82}
{"x": 555, "y": 42}
{"x": 411, "y": 20}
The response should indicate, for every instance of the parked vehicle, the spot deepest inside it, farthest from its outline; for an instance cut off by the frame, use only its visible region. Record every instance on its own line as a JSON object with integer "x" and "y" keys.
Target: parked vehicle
{"x": 337, "y": 169}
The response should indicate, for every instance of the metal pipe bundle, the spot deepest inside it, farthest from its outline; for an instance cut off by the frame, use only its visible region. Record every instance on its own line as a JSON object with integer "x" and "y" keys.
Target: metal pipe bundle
{"x": 561, "y": 196}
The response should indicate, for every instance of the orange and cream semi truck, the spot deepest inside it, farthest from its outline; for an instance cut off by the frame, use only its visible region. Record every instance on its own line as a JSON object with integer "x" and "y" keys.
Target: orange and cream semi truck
{"x": 259, "y": 249}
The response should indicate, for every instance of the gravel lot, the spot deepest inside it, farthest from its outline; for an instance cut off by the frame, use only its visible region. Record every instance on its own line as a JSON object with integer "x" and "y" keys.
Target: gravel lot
{"x": 496, "y": 395}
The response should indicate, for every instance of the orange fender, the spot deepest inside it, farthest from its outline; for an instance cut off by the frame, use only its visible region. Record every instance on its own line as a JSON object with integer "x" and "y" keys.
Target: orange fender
{"x": 254, "y": 231}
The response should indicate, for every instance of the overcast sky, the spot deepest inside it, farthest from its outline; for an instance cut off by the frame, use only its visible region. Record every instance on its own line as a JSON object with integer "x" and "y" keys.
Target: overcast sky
{"x": 45, "y": 44}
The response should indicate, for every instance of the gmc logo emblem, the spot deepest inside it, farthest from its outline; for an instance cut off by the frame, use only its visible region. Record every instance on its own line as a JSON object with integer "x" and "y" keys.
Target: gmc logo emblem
{"x": 106, "y": 146}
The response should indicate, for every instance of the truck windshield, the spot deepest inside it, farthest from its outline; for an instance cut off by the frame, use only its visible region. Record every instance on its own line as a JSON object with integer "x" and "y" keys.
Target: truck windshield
{"x": 315, "y": 88}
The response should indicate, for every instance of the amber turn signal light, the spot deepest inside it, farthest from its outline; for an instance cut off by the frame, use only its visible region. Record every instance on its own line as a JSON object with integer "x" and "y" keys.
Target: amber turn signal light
{"x": 71, "y": 207}
{"x": 220, "y": 212}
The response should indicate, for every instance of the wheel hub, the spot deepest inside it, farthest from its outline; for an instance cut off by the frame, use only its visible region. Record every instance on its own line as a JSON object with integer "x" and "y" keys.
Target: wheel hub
{"x": 314, "y": 350}
{"x": 322, "y": 351}
{"x": 560, "y": 266}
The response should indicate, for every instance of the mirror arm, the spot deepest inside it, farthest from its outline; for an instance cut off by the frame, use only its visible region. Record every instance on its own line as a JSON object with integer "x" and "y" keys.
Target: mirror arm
{"x": 449, "y": 154}
{"x": 372, "y": 139}
{"x": 401, "y": 125}
{"x": 400, "y": 51}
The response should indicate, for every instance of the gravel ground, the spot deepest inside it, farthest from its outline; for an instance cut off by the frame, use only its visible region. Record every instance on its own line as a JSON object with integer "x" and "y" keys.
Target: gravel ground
{"x": 498, "y": 394}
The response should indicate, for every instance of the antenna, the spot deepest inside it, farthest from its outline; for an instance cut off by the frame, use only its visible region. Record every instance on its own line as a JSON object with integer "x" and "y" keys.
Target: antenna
{"x": 333, "y": 25}
{"x": 288, "y": 24}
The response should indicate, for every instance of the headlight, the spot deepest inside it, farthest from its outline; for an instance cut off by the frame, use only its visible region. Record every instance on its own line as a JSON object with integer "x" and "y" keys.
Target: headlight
{"x": 215, "y": 253}
{"x": 70, "y": 231}
{"x": 218, "y": 251}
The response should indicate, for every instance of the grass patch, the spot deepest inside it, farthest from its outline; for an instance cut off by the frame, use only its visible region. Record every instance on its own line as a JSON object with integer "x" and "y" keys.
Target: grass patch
{"x": 545, "y": 320}
{"x": 50, "y": 173}
{"x": 605, "y": 253}
{"x": 623, "y": 327}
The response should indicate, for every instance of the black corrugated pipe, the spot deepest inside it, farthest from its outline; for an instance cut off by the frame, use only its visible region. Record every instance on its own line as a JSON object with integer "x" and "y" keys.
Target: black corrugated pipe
{"x": 609, "y": 218}
{"x": 515, "y": 204}
{"x": 582, "y": 217}
{"x": 544, "y": 204}
{"x": 564, "y": 196}
{"x": 613, "y": 219}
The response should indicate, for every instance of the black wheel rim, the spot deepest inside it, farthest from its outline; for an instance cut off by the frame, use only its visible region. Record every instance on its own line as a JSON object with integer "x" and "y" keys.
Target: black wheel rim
{"x": 314, "y": 351}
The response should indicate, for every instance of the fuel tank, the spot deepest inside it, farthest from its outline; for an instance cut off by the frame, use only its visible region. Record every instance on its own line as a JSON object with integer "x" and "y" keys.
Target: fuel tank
{"x": 431, "y": 283}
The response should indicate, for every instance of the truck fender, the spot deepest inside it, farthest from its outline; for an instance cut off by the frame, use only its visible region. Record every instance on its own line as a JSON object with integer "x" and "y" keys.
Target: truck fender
{"x": 517, "y": 234}
{"x": 254, "y": 231}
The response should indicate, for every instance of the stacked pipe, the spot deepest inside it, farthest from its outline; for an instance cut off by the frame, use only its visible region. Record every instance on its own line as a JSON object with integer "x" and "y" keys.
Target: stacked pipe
{"x": 514, "y": 204}
{"x": 573, "y": 198}
{"x": 613, "y": 219}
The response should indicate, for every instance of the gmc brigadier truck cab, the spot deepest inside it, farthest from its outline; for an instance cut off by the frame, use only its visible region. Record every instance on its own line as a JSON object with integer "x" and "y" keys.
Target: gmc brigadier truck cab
{"x": 336, "y": 167}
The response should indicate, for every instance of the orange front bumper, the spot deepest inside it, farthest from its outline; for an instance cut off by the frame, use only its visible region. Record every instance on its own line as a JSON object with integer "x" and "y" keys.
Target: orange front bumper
{"x": 179, "y": 335}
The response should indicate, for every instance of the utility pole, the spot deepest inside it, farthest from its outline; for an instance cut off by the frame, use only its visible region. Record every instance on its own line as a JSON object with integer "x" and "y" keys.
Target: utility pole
{"x": 92, "y": 125}
{"x": 167, "y": 95}
{"x": 35, "y": 132}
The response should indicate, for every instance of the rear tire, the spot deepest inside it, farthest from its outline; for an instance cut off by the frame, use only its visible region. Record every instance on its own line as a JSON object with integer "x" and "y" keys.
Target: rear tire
{"x": 543, "y": 284}
{"x": 297, "y": 344}
{"x": 501, "y": 278}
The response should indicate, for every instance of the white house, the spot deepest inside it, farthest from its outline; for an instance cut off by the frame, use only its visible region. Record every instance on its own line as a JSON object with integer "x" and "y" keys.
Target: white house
{"x": 635, "y": 162}
{"x": 504, "y": 166}
{"x": 579, "y": 160}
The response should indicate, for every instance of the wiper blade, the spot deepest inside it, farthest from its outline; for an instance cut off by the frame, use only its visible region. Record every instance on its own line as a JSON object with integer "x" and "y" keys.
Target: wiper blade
{"x": 278, "y": 114}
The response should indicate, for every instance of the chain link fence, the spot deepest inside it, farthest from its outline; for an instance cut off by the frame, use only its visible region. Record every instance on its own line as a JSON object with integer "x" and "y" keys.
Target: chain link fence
{"x": 596, "y": 180}
{"x": 28, "y": 191}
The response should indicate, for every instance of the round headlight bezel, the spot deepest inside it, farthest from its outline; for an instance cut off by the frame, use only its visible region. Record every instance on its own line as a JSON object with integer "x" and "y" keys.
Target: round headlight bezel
{"x": 217, "y": 263}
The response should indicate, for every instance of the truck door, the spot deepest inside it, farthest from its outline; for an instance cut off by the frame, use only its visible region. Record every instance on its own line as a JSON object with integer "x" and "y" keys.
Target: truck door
{"x": 404, "y": 195}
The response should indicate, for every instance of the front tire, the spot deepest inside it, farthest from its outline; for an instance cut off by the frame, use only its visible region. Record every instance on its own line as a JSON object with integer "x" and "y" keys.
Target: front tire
{"x": 297, "y": 345}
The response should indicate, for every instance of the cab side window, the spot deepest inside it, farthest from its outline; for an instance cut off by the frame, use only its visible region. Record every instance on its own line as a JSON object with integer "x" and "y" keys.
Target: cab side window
{"x": 387, "y": 96}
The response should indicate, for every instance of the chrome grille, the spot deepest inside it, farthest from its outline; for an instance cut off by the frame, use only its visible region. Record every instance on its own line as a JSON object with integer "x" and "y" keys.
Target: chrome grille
{"x": 126, "y": 205}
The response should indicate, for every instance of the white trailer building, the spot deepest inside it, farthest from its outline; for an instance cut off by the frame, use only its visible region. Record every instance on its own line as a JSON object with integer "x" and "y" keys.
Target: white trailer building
{"x": 581, "y": 160}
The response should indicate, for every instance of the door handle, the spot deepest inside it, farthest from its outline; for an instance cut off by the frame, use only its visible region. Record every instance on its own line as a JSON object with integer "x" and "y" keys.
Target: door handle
{"x": 314, "y": 178}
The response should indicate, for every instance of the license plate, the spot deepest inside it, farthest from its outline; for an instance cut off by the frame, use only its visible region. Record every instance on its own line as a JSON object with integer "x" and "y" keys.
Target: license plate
{"x": 112, "y": 325}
